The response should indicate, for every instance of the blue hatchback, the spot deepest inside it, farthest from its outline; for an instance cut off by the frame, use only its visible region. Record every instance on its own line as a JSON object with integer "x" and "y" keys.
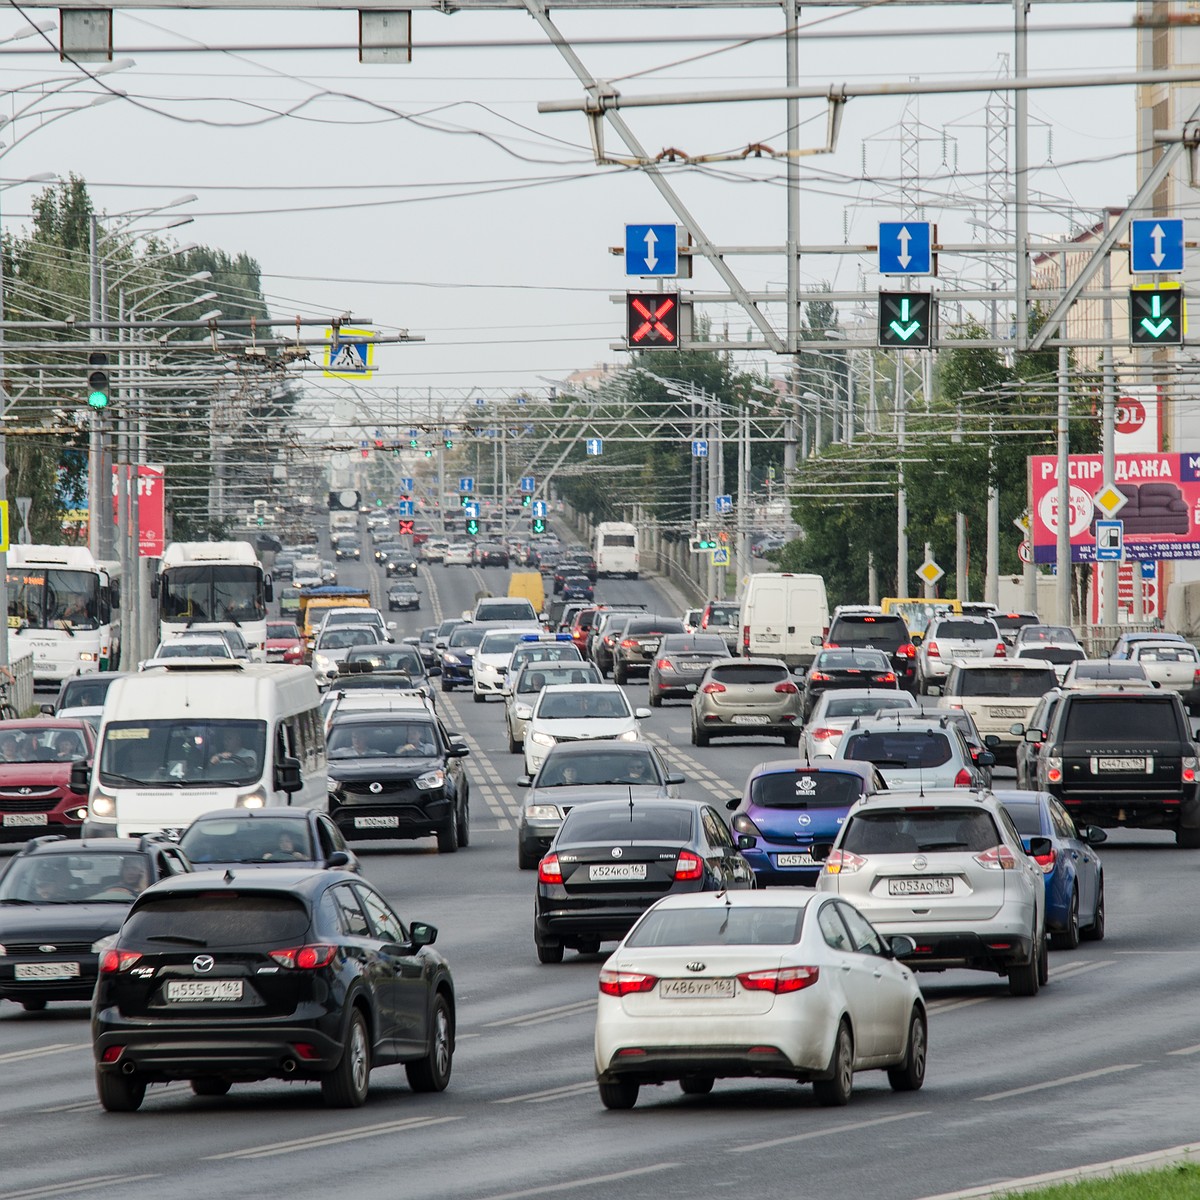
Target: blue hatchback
{"x": 1073, "y": 871}
{"x": 788, "y": 805}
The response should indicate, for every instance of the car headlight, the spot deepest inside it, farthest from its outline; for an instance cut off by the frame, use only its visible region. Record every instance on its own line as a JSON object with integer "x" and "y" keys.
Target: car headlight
{"x": 104, "y": 805}
{"x": 541, "y": 739}
{"x": 448, "y": 660}
{"x": 322, "y": 661}
{"x": 630, "y": 735}
{"x": 255, "y": 799}
{"x": 541, "y": 812}
{"x": 103, "y": 944}
{"x": 431, "y": 780}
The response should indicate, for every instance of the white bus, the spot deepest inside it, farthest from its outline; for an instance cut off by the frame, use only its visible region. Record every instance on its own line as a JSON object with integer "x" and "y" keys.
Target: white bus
{"x": 616, "y": 550}
{"x": 182, "y": 739}
{"x": 60, "y": 605}
{"x": 211, "y": 582}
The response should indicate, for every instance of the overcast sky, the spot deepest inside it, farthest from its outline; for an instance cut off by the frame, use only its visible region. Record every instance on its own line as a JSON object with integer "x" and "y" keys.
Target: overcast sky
{"x": 434, "y": 197}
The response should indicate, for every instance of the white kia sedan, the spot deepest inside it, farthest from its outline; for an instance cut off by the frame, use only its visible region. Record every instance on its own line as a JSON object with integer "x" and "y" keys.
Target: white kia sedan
{"x": 772, "y": 984}
{"x": 577, "y": 713}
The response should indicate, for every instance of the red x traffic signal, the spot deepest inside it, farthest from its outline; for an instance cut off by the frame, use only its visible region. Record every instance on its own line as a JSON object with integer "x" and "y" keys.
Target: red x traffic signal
{"x": 406, "y": 526}
{"x": 652, "y": 320}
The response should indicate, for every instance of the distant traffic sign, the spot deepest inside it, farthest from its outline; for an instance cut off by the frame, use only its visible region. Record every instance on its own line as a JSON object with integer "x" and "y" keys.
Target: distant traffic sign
{"x": 406, "y": 527}
{"x": 528, "y": 484}
{"x": 905, "y": 248}
{"x": 406, "y": 484}
{"x": 1156, "y": 316}
{"x": 471, "y": 510}
{"x": 406, "y": 508}
{"x": 723, "y": 504}
{"x": 906, "y": 319}
{"x": 721, "y": 556}
{"x": 466, "y": 484}
{"x": 700, "y": 448}
{"x": 595, "y": 446}
{"x": 651, "y": 250}
{"x": 540, "y": 508}
{"x": 651, "y": 320}
{"x": 1110, "y": 541}
{"x": 930, "y": 572}
{"x": 1156, "y": 245}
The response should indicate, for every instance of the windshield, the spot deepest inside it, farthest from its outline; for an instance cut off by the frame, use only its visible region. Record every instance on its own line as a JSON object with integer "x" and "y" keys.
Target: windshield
{"x": 717, "y": 925}
{"x": 549, "y": 652}
{"x": 596, "y": 823}
{"x": 41, "y": 745}
{"x": 996, "y": 681}
{"x": 213, "y": 593}
{"x": 85, "y": 691}
{"x": 579, "y": 770}
{"x": 466, "y": 635}
{"x": 384, "y": 739}
{"x": 182, "y": 753}
{"x": 902, "y": 831}
{"x": 583, "y": 705}
{"x": 862, "y": 706}
{"x": 248, "y": 840}
{"x": 535, "y": 680}
{"x": 389, "y": 658}
{"x": 965, "y": 631}
{"x": 806, "y": 789}
{"x": 899, "y": 748}
{"x": 39, "y": 599}
{"x": 343, "y": 637}
{"x": 517, "y": 611}
{"x": 94, "y": 878}
{"x": 500, "y": 643}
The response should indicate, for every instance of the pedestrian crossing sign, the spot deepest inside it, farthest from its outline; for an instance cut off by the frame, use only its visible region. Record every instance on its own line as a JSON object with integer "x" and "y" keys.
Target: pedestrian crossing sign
{"x": 350, "y": 353}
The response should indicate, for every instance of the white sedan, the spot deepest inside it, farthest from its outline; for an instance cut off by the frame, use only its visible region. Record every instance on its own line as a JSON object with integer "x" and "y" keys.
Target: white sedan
{"x": 576, "y": 713}
{"x": 778, "y": 984}
{"x": 457, "y": 554}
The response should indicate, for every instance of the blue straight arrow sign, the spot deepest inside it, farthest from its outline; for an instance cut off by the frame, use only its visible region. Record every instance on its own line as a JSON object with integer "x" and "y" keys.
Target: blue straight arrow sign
{"x": 905, "y": 248}
{"x": 1156, "y": 244}
{"x": 651, "y": 250}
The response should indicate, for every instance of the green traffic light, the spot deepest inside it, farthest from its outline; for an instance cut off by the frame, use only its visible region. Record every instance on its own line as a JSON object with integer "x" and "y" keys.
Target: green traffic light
{"x": 449, "y": 443}
{"x": 428, "y": 453}
{"x": 472, "y": 527}
{"x": 526, "y": 501}
{"x": 412, "y": 443}
{"x": 538, "y": 525}
{"x": 98, "y": 399}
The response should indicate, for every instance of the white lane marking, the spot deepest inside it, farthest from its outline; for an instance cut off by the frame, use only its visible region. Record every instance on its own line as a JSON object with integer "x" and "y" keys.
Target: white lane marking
{"x": 568, "y": 1089}
{"x": 495, "y": 792}
{"x": 320, "y": 1141}
{"x": 572, "y": 1184}
{"x": 828, "y": 1132}
{"x": 431, "y": 591}
{"x": 941, "y": 1006}
{"x": 545, "y": 1014}
{"x": 1099, "y": 1073}
{"x": 38, "y": 1051}
{"x": 1186, "y": 1050}
{"x": 75, "y": 1185}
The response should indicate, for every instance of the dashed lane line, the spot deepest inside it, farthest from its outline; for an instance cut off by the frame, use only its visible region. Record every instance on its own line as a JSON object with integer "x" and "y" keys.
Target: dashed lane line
{"x": 1048, "y": 1084}
{"x": 545, "y": 1014}
{"x": 567, "y": 1185}
{"x": 46, "y": 1190}
{"x": 39, "y": 1051}
{"x": 321, "y": 1141}
{"x": 549, "y": 1094}
{"x": 501, "y": 803}
{"x": 825, "y": 1133}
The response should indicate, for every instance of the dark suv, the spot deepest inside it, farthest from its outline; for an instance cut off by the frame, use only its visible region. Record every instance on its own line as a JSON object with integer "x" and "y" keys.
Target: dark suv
{"x": 233, "y": 977}
{"x": 638, "y": 644}
{"x": 877, "y": 631}
{"x": 1122, "y": 758}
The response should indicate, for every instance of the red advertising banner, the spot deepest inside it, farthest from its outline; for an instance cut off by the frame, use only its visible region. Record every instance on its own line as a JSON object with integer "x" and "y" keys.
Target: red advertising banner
{"x": 151, "y": 508}
{"x": 1161, "y": 515}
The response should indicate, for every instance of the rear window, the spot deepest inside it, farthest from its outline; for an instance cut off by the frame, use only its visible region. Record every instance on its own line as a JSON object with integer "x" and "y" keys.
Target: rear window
{"x": 522, "y": 611}
{"x": 863, "y": 660}
{"x": 1008, "y": 622}
{"x": 686, "y": 643}
{"x": 907, "y": 831}
{"x": 863, "y": 706}
{"x": 593, "y": 824}
{"x": 636, "y": 628}
{"x": 966, "y": 631}
{"x": 716, "y": 925}
{"x": 1026, "y": 817}
{"x": 586, "y": 619}
{"x": 1125, "y": 720}
{"x": 899, "y": 748}
{"x": 1049, "y": 633}
{"x": 225, "y": 919}
{"x": 1165, "y": 654}
{"x": 1060, "y": 656}
{"x": 806, "y": 789}
{"x": 1110, "y": 670}
{"x": 996, "y": 681}
{"x": 886, "y": 632}
{"x": 726, "y": 615}
{"x": 749, "y": 673}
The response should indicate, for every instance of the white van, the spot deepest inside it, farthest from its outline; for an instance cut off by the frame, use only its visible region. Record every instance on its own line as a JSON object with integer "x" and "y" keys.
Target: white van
{"x": 181, "y": 739}
{"x": 781, "y": 614}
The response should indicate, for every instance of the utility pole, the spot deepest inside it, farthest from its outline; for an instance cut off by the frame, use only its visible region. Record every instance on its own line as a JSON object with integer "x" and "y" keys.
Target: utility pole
{"x": 902, "y": 584}
{"x": 1063, "y": 551}
{"x": 1108, "y": 570}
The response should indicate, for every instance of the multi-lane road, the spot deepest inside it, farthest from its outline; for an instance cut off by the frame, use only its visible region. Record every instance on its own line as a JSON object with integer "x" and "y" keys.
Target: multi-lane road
{"x": 1104, "y": 1063}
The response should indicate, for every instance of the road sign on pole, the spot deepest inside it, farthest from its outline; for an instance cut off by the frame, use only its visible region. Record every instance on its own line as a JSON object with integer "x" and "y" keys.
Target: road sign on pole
{"x": 651, "y": 320}
{"x": 528, "y": 484}
{"x": 540, "y": 508}
{"x": 595, "y": 446}
{"x": 929, "y": 572}
{"x": 905, "y": 248}
{"x": 906, "y": 319}
{"x": 651, "y": 250}
{"x": 723, "y": 504}
{"x": 1156, "y": 316}
{"x": 406, "y": 484}
{"x": 700, "y": 448}
{"x": 406, "y": 508}
{"x": 721, "y": 556}
{"x": 1110, "y": 541}
{"x": 471, "y": 510}
{"x": 1156, "y": 245}
{"x": 466, "y": 484}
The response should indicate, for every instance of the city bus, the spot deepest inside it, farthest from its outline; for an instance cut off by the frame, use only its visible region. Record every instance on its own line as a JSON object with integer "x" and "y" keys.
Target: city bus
{"x": 616, "y": 550}
{"x": 205, "y": 582}
{"x": 60, "y": 605}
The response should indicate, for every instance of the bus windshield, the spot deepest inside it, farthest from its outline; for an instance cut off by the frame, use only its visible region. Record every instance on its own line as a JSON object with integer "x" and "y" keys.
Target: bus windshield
{"x": 213, "y": 593}
{"x": 182, "y": 753}
{"x": 54, "y": 599}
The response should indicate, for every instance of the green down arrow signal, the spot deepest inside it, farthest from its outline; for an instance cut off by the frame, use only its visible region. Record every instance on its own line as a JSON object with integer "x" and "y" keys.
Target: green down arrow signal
{"x": 904, "y": 329}
{"x": 1154, "y": 327}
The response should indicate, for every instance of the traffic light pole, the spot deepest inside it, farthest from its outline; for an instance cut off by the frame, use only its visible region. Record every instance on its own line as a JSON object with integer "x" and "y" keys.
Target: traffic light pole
{"x": 4, "y": 658}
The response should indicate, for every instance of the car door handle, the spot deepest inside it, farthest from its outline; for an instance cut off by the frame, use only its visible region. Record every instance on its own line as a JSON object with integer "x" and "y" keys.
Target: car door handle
{"x": 877, "y": 974}
{"x": 846, "y": 967}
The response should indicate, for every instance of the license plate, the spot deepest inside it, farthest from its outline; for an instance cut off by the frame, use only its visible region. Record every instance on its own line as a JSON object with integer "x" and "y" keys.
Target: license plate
{"x": 696, "y": 989}
{"x": 693, "y": 666}
{"x": 603, "y": 871}
{"x": 57, "y": 970}
{"x": 937, "y": 886}
{"x": 204, "y": 989}
{"x": 794, "y": 860}
{"x": 1006, "y": 712}
{"x": 1120, "y": 764}
{"x": 24, "y": 819}
{"x": 750, "y": 719}
{"x": 965, "y": 653}
{"x": 648, "y": 647}
{"x": 376, "y": 822}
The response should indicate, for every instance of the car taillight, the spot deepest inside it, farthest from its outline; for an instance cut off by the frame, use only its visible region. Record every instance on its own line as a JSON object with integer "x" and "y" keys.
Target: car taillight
{"x": 711, "y": 689}
{"x": 629, "y": 644}
{"x": 746, "y": 640}
{"x": 1196, "y": 677}
{"x": 689, "y": 865}
{"x": 623, "y": 983}
{"x": 831, "y": 645}
{"x": 908, "y": 650}
{"x": 932, "y": 651}
{"x": 780, "y": 981}
{"x": 786, "y": 688}
{"x": 118, "y": 960}
{"x": 890, "y": 677}
{"x": 819, "y": 677}
{"x": 1189, "y": 770}
{"x": 1046, "y": 861}
{"x": 549, "y": 871}
{"x": 304, "y": 958}
{"x": 1054, "y": 769}
{"x": 963, "y": 778}
{"x": 821, "y": 734}
{"x": 998, "y": 858}
{"x": 663, "y": 664}
{"x": 1001, "y": 651}
{"x": 743, "y": 824}
{"x": 843, "y": 862}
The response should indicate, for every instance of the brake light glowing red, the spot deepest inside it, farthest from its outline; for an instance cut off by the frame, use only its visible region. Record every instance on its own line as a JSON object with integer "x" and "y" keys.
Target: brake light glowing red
{"x": 1054, "y": 774}
{"x": 890, "y": 677}
{"x": 304, "y": 958}
{"x": 1001, "y": 651}
{"x": 1047, "y": 861}
{"x": 689, "y": 865}
{"x": 629, "y": 644}
{"x": 998, "y": 858}
{"x": 908, "y": 650}
{"x": 711, "y": 689}
{"x": 818, "y": 677}
{"x": 843, "y": 862}
{"x": 932, "y": 651}
{"x": 821, "y": 734}
{"x": 746, "y": 640}
{"x": 787, "y": 688}
{"x": 623, "y": 983}
{"x": 112, "y": 1053}
{"x": 1189, "y": 774}
{"x": 663, "y": 664}
{"x": 549, "y": 871}
{"x": 780, "y": 981}
{"x": 963, "y": 778}
{"x": 118, "y": 960}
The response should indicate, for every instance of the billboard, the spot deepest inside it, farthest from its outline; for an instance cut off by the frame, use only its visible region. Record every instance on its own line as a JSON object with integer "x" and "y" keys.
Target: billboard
{"x": 1161, "y": 514}
{"x": 151, "y": 509}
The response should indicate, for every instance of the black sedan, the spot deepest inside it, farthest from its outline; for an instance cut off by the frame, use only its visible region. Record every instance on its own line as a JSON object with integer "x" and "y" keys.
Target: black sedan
{"x": 846, "y": 669}
{"x": 58, "y": 898}
{"x": 266, "y": 837}
{"x": 577, "y": 587}
{"x": 611, "y": 860}
{"x": 403, "y": 597}
{"x": 247, "y": 975}
{"x": 401, "y": 562}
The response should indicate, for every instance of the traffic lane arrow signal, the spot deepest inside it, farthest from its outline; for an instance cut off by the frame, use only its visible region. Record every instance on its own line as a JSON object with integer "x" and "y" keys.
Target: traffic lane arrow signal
{"x": 1155, "y": 316}
{"x": 653, "y": 318}
{"x": 905, "y": 318}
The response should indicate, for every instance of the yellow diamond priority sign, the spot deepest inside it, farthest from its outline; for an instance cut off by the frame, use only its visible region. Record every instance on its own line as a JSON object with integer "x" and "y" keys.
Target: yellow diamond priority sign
{"x": 1110, "y": 501}
{"x": 930, "y": 572}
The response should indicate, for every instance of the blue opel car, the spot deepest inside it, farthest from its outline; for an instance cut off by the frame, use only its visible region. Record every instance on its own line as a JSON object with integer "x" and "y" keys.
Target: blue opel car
{"x": 1073, "y": 871}
{"x": 458, "y": 653}
{"x": 788, "y": 805}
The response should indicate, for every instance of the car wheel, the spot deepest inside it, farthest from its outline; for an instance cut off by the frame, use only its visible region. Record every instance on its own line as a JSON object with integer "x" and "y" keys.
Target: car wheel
{"x": 210, "y": 1086}
{"x": 549, "y": 952}
{"x": 527, "y": 856}
{"x": 447, "y": 835}
{"x": 432, "y": 1073}
{"x": 120, "y": 1093}
{"x": 478, "y": 697}
{"x": 619, "y": 675}
{"x": 1024, "y": 980}
{"x": 1044, "y": 962}
{"x": 1068, "y": 938}
{"x": 347, "y": 1084}
{"x": 656, "y": 700}
{"x": 910, "y": 1074}
{"x": 699, "y": 737}
{"x": 1189, "y": 839}
{"x": 834, "y": 1092}
{"x": 696, "y": 1085}
{"x": 464, "y": 824}
{"x": 1095, "y": 931}
{"x": 33, "y": 1005}
{"x": 792, "y": 737}
{"x": 447, "y": 687}
{"x": 514, "y": 747}
{"x": 621, "y": 1095}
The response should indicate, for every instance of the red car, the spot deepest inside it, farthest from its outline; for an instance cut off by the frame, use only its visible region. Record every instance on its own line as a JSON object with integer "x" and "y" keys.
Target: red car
{"x": 284, "y": 643}
{"x": 35, "y": 777}
{"x": 581, "y": 628}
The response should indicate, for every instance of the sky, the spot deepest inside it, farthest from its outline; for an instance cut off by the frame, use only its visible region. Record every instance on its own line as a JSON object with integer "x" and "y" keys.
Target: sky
{"x": 432, "y": 197}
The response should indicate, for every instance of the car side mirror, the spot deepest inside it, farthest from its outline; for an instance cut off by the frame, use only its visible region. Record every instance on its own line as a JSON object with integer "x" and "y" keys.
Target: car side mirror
{"x": 816, "y": 640}
{"x": 901, "y": 945}
{"x": 821, "y": 851}
{"x": 985, "y": 759}
{"x": 641, "y": 713}
{"x": 337, "y": 861}
{"x": 47, "y": 710}
{"x": 1035, "y": 736}
{"x": 81, "y": 776}
{"x": 1039, "y": 846}
{"x": 434, "y": 670}
{"x": 734, "y": 804}
{"x": 287, "y": 776}
{"x": 933, "y": 689}
{"x": 991, "y": 741}
{"x": 459, "y": 750}
{"x": 524, "y": 781}
{"x": 420, "y": 934}
{"x": 676, "y": 777}
{"x": 391, "y": 625}
{"x": 747, "y": 841}
{"x": 1093, "y": 835}
{"x": 1017, "y": 730}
